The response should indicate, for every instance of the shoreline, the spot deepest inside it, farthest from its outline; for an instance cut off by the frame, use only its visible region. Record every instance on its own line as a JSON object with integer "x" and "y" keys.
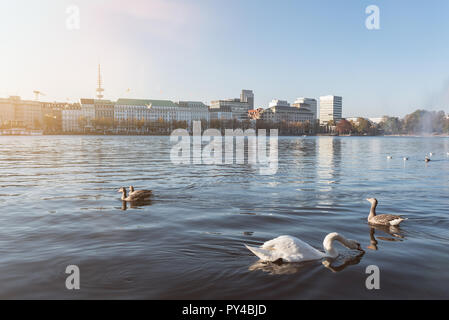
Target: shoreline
{"x": 280, "y": 135}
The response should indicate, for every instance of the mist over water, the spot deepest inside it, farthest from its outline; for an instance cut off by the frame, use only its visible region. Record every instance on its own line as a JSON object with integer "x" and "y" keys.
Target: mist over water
{"x": 60, "y": 206}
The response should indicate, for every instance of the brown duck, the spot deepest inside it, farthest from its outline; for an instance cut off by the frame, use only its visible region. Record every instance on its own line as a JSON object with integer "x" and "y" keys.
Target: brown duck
{"x": 138, "y": 195}
{"x": 382, "y": 219}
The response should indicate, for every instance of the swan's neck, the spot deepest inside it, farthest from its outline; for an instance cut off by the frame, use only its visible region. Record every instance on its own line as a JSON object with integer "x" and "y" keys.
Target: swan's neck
{"x": 328, "y": 244}
{"x": 372, "y": 212}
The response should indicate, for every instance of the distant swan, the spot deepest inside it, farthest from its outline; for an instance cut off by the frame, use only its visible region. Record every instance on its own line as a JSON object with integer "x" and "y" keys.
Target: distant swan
{"x": 139, "y": 195}
{"x": 382, "y": 219}
{"x": 291, "y": 249}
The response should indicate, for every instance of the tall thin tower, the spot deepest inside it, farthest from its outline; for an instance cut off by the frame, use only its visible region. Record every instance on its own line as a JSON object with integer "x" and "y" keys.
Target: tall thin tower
{"x": 100, "y": 90}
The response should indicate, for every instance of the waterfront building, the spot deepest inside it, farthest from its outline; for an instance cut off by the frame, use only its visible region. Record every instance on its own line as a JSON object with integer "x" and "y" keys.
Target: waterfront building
{"x": 71, "y": 119}
{"x": 197, "y": 109}
{"x": 102, "y": 109}
{"x": 330, "y": 109}
{"x": 278, "y": 103}
{"x": 280, "y": 110}
{"x": 7, "y": 111}
{"x": 239, "y": 106}
{"x": 307, "y": 103}
{"x": 222, "y": 113}
{"x": 248, "y": 97}
{"x": 129, "y": 110}
{"x": 287, "y": 114}
{"x": 80, "y": 116}
{"x": 157, "y": 110}
{"x": 21, "y": 113}
{"x": 168, "y": 111}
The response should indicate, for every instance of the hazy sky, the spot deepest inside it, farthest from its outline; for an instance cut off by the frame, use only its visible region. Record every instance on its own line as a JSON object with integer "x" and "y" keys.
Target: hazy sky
{"x": 211, "y": 49}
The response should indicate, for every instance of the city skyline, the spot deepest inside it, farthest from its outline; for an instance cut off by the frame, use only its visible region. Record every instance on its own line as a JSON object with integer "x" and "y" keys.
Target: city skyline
{"x": 185, "y": 50}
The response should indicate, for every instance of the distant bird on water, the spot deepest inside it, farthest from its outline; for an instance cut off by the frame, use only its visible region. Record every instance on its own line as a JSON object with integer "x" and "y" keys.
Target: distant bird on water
{"x": 427, "y": 159}
{"x": 138, "y": 195}
{"x": 405, "y": 158}
{"x": 389, "y": 157}
{"x": 382, "y": 219}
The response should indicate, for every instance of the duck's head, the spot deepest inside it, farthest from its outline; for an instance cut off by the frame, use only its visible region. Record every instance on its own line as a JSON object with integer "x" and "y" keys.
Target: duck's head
{"x": 372, "y": 200}
{"x": 131, "y": 189}
{"x": 122, "y": 190}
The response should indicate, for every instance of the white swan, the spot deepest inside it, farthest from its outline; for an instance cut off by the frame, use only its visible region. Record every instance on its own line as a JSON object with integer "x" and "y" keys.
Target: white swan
{"x": 291, "y": 249}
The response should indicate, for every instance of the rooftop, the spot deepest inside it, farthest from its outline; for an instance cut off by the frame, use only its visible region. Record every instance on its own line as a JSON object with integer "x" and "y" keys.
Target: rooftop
{"x": 146, "y": 102}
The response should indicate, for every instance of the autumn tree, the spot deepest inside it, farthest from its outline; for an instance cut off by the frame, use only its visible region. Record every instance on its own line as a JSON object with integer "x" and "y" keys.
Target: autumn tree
{"x": 344, "y": 127}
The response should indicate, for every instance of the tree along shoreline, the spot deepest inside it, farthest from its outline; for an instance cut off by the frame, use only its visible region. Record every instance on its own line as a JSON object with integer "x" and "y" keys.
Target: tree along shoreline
{"x": 418, "y": 123}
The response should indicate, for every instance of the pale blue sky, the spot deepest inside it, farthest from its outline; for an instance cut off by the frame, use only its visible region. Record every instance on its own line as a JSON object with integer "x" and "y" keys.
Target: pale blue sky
{"x": 211, "y": 49}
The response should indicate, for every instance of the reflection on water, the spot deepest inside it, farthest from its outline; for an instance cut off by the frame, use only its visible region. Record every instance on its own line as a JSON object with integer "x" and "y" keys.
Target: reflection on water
{"x": 279, "y": 267}
{"x": 60, "y": 207}
{"x": 394, "y": 231}
{"x": 343, "y": 261}
{"x": 136, "y": 204}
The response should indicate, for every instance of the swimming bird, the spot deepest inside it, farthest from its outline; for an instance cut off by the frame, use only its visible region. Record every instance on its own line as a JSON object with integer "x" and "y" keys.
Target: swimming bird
{"x": 427, "y": 159}
{"x": 405, "y": 158}
{"x": 291, "y": 249}
{"x": 138, "y": 192}
{"x": 389, "y": 157}
{"x": 138, "y": 195}
{"x": 382, "y": 219}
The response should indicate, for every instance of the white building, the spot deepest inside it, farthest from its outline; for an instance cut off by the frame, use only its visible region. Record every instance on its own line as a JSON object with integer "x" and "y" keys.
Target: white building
{"x": 155, "y": 110}
{"x": 330, "y": 109}
{"x": 127, "y": 110}
{"x": 280, "y": 110}
{"x": 71, "y": 120}
{"x": 309, "y": 103}
{"x": 77, "y": 115}
{"x": 278, "y": 103}
{"x": 197, "y": 109}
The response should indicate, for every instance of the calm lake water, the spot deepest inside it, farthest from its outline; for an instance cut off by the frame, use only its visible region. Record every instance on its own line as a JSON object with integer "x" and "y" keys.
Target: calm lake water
{"x": 60, "y": 206}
